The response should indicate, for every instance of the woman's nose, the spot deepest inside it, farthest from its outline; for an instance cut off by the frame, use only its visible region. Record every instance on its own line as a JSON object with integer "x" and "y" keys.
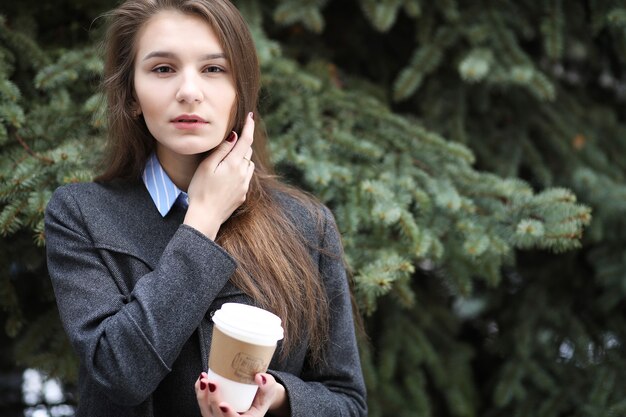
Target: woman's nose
{"x": 189, "y": 89}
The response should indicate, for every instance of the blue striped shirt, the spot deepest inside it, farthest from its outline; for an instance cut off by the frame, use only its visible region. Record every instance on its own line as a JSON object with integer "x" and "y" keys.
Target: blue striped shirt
{"x": 163, "y": 191}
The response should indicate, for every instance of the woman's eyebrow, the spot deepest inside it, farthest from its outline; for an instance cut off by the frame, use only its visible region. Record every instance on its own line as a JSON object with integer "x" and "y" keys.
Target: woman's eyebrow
{"x": 171, "y": 55}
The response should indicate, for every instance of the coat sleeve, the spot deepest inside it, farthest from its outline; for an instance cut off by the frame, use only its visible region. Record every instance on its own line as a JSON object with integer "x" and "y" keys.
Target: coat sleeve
{"x": 128, "y": 343}
{"x": 335, "y": 388}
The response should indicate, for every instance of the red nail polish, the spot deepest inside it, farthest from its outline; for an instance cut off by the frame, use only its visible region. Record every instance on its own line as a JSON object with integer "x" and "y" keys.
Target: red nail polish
{"x": 224, "y": 409}
{"x": 212, "y": 387}
{"x": 202, "y": 385}
{"x": 231, "y": 137}
{"x": 263, "y": 380}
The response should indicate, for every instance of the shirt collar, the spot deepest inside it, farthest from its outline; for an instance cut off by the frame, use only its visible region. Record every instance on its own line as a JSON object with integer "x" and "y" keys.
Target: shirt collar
{"x": 163, "y": 191}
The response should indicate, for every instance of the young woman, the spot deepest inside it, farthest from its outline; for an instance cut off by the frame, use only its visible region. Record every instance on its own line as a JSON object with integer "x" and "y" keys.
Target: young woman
{"x": 186, "y": 217}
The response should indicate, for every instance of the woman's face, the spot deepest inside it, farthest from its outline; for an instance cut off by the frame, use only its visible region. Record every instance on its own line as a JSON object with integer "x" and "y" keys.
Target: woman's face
{"x": 183, "y": 85}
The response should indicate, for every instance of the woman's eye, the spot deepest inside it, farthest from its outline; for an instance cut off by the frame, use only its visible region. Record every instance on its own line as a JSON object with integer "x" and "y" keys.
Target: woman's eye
{"x": 213, "y": 68}
{"x": 162, "y": 70}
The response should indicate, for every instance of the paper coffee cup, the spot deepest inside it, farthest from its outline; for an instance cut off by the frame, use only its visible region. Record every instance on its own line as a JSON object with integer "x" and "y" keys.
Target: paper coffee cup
{"x": 244, "y": 341}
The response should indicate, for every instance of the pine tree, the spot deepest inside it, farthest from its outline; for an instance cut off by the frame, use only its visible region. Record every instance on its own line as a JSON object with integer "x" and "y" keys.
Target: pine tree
{"x": 451, "y": 141}
{"x": 534, "y": 89}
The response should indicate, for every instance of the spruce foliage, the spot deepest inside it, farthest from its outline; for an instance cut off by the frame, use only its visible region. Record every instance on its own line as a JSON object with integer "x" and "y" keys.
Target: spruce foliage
{"x": 462, "y": 148}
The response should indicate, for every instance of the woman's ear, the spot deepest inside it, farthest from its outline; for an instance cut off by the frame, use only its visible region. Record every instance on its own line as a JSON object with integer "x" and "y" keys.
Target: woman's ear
{"x": 135, "y": 109}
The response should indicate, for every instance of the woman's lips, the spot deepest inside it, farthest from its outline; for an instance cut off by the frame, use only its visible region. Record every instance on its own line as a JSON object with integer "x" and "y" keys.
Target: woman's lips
{"x": 184, "y": 125}
{"x": 188, "y": 122}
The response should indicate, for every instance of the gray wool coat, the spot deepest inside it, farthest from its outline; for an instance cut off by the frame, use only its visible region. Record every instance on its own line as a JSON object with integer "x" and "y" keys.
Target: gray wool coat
{"x": 135, "y": 293}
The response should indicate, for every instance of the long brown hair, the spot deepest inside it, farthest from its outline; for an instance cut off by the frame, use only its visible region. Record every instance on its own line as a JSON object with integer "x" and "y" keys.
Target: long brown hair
{"x": 274, "y": 263}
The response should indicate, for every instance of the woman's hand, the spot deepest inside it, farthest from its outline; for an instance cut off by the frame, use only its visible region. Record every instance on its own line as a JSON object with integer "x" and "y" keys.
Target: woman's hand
{"x": 271, "y": 396}
{"x": 220, "y": 183}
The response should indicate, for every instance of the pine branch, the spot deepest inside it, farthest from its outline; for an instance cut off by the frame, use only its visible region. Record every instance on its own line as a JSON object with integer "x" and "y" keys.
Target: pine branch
{"x": 27, "y": 148}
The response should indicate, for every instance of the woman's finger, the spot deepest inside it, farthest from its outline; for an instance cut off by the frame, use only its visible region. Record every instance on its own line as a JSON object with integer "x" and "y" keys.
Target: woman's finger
{"x": 265, "y": 396}
{"x": 202, "y": 395}
{"x": 222, "y": 150}
{"x": 248, "y": 155}
{"x": 245, "y": 140}
{"x": 228, "y": 411}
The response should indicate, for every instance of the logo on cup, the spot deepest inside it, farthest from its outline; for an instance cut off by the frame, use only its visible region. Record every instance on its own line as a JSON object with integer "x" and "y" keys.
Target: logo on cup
{"x": 246, "y": 366}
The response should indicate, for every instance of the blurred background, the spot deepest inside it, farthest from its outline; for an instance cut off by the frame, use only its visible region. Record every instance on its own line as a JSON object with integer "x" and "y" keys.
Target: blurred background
{"x": 473, "y": 154}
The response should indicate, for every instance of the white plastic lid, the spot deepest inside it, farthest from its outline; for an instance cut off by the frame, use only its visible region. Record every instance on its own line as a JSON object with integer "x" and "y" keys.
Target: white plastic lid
{"x": 249, "y": 324}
